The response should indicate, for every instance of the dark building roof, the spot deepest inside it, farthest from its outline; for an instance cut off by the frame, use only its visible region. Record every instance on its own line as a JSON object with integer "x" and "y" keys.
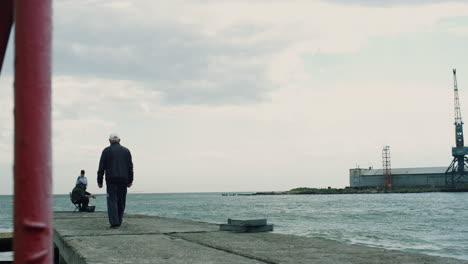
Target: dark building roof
{"x": 400, "y": 171}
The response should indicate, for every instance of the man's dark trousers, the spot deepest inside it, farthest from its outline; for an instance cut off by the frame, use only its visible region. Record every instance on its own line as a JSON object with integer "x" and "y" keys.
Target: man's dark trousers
{"x": 116, "y": 196}
{"x": 83, "y": 203}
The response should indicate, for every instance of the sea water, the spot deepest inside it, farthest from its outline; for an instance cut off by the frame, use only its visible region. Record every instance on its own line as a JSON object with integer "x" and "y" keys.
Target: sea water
{"x": 427, "y": 223}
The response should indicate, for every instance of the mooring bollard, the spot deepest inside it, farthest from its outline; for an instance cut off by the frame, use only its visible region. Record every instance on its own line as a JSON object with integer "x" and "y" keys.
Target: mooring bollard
{"x": 246, "y": 226}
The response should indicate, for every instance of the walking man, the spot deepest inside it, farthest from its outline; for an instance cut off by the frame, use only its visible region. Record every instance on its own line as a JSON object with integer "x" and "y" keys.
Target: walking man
{"x": 116, "y": 164}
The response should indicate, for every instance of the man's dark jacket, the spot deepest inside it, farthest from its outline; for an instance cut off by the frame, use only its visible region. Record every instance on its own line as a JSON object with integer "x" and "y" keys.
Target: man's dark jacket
{"x": 116, "y": 163}
{"x": 79, "y": 193}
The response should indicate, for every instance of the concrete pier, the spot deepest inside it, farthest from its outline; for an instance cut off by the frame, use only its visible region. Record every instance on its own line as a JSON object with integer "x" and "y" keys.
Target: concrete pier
{"x": 87, "y": 238}
{"x": 6, "y": 242}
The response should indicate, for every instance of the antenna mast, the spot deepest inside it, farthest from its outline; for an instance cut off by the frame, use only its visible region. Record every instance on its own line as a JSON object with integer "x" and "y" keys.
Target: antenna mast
{"x": 387, "y": 167}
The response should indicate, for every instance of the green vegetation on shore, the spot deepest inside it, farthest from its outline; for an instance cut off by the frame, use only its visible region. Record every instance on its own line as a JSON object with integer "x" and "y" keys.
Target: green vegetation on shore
{"x": 350, "y": 190}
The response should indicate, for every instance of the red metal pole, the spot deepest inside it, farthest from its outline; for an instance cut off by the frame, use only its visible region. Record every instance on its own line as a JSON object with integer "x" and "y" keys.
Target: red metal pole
{"x": 6, "y": 21}
{"x": 33, "y": 162}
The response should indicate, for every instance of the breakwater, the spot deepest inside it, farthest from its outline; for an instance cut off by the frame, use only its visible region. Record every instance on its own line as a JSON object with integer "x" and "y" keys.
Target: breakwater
{"x": 362, "y": 190}
{"x": 84, "y": 238}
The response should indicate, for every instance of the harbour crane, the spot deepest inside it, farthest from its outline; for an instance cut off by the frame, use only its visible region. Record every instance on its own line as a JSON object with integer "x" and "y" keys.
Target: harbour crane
{"x": 457, "y": 172}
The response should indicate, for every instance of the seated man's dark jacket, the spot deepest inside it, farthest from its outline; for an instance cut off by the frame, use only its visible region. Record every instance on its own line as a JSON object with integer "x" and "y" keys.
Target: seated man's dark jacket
{"x": 116, "y": 163}
{"x": 79, "y": 193}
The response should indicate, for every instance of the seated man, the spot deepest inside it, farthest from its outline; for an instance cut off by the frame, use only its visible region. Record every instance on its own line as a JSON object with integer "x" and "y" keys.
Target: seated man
{"x": 81, "y": 196}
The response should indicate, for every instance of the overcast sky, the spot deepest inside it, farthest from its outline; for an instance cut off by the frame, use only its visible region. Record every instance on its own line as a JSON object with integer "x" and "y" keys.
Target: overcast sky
{"x": 257, "y": 95}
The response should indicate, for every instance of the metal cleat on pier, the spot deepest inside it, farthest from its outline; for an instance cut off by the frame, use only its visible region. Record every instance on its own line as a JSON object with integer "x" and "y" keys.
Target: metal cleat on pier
{"x": 246, "y": 226}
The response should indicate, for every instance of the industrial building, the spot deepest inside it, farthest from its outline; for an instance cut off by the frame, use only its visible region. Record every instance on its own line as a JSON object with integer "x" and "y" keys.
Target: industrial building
{"x": 401, "y": 177}
{"x": 387, "y": 177}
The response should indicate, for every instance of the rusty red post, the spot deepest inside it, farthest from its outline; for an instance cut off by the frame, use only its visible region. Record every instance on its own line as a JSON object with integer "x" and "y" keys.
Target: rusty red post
{"x": 33, "y": 159}
{"x": 6, "y": 21}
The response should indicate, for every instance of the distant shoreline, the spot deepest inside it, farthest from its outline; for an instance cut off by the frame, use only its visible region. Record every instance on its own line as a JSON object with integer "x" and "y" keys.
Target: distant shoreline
{"x": 369, "y": 190}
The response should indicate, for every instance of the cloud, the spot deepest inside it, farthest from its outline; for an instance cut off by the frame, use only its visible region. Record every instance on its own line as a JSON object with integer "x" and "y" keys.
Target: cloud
{"x": 75, "y": 97}
{"x": 284, "y": 93}
{"x": 391, "y": 3}
{"x": 186, "y": 66}
{"x": 220, "y": 52}
{"x": 6, "y": 120}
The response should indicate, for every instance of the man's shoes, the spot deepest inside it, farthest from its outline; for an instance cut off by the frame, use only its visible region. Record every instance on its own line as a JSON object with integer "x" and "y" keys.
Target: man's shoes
{"x": 114, "y": 226}
{"x": 89, "y": 209}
